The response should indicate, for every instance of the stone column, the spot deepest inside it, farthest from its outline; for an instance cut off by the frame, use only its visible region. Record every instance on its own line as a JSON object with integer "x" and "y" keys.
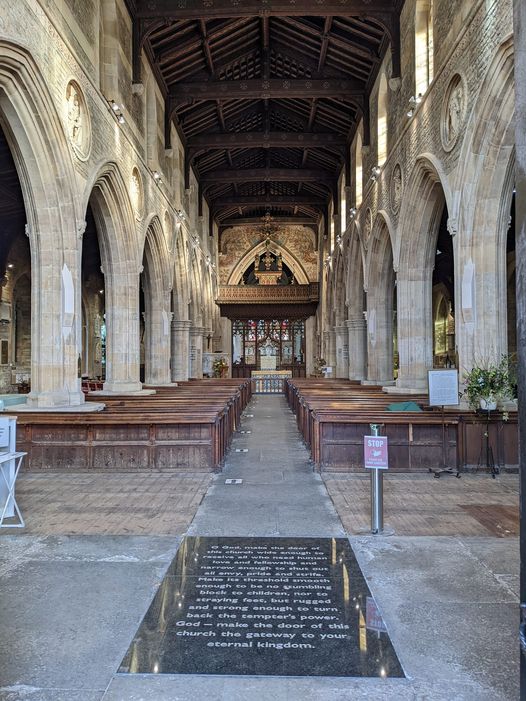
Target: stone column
{"x": 342, "y": 351}
{"x": 157, "y": 347}
{"x": 180, "y": 358}
{"x": 122, "y": 334}
{"x": 380, "y": 344}
{"x": 55, "y": 329}
{"x": 415, "y": 331}
{"x": 357, "y": 329}
{"x": 196, "y": 352}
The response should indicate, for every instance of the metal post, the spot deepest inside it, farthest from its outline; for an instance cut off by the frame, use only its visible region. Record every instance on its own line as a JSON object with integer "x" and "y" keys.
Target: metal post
{"x": 377, "y": 492}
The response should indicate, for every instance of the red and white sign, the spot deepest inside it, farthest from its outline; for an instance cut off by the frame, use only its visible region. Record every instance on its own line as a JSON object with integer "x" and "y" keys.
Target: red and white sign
{"x": 375, "y": 452}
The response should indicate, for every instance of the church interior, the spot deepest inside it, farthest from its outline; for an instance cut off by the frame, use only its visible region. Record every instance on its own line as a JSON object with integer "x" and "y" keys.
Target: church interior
{"x": 262, "y": 349}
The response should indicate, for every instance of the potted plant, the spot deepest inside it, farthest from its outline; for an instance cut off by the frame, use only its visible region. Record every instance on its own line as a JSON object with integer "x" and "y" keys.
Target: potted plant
{"x": 488, "y": 383}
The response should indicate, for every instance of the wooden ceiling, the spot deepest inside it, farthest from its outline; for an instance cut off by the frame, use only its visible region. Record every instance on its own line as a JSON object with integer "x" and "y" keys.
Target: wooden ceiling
{"x": 266, "y": 94}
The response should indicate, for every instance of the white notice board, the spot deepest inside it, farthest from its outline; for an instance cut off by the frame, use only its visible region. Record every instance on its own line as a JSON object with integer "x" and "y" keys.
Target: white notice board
{"x": 443, "y": 387}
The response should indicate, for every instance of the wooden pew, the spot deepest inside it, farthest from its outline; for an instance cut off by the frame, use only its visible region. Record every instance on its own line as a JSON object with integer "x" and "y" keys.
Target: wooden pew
{"x": 184, "y": 428}
{"x": 334, "y": 415}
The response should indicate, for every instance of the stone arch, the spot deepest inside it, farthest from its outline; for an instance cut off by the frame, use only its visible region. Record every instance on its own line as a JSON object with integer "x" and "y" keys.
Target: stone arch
{"x": 117, "y": 235}
{"x": 380, "y": 285}
{"x": 486, "y": 185}
{"x": 421, "y": 212}
{"x": 43, "y": 162}
{"x": 156, "y": 281}
{"x": 355, "y": 300}
{"x": 289, "y": 258}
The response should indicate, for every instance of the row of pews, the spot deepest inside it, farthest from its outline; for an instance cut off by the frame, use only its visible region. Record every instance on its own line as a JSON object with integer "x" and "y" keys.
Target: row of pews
{"x": 333, "y": 416}
{"x": 183, "y": 428}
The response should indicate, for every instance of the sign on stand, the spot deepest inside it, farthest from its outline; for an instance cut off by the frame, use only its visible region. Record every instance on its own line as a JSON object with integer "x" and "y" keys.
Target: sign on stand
{"x": 443, "y": 387}
{"x": 375, "y": 452}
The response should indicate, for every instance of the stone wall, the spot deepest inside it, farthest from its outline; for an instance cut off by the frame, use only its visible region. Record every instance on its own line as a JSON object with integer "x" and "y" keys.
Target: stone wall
{"x": 468, "y": 170}
{"x": 76, "y": 58}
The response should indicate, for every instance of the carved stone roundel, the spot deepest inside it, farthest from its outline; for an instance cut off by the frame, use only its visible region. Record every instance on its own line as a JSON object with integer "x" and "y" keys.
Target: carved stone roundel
{"x": 453, "y": 112}
{"x": 78, "y": 126}
{"x": 396, "y": 188}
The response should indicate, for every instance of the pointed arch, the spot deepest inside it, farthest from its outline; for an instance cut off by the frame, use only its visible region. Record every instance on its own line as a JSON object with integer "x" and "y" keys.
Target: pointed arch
{"x": 421, "y": 212}
{"x": 289, "y": 259}
{"x": 380, "y": 285}
{"x": 118, "y": 242}
{"x": 42, "y": 158}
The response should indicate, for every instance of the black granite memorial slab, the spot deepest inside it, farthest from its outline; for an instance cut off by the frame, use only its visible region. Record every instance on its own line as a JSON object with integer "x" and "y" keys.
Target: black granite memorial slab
{"x": 263, "y": 606}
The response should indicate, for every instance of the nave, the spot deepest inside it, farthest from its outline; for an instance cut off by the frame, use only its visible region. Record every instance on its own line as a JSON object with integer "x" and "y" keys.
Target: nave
{"x": 86, "y": 595}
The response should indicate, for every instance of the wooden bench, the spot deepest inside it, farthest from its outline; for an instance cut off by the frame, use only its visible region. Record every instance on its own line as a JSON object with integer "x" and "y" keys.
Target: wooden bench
{"x": 334, "y": 415}
{"x": 184, "y": 428}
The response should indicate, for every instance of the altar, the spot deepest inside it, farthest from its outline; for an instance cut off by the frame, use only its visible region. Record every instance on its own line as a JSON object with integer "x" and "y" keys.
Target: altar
{"x": 269, "y": 381}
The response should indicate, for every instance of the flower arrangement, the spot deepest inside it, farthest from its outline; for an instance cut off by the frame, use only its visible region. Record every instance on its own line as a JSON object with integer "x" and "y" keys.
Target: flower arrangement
{"x": 319, "y": 364}
{"x": 220, "y": 367}
{"x": 486, "y": 384}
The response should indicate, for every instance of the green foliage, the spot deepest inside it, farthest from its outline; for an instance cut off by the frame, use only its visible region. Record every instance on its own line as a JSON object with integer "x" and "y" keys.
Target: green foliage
{"x": 491, "y": 381}
{"x": 219, "y": 367}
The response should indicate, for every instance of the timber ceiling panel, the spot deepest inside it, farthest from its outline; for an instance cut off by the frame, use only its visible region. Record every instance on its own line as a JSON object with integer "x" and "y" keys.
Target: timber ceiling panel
{"x": 284, "y": 72}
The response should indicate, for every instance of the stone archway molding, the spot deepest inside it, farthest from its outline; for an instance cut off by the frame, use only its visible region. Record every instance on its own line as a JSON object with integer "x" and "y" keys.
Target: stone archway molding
{"x": 35, "y": 133}
{"x": 288, "y": 258}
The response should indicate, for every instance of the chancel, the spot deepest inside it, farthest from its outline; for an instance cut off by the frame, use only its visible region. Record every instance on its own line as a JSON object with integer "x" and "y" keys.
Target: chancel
{"x": 236, "y": 239}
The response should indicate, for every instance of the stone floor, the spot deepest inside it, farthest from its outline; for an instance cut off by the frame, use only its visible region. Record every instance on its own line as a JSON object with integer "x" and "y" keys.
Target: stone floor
{"x": 71, "y": 604}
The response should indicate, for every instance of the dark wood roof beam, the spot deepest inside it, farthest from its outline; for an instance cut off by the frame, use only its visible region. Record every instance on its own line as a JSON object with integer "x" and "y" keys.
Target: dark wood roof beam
{"x": 206, "y": 48}
{"x": 261, "y": 89}
{"x": 248, "y": 221}
{"x": 268, "y": 175}
{"x": 196, "y": 9}
{"x": 324, "y": 43}
{"x": 276, "y": 139}
{"x": 277, "y": 200}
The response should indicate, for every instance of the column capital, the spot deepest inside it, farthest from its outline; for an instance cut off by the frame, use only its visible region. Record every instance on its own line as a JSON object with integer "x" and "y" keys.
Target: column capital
{"x": 181, "y": 324}
{"x": 358, "y": 323}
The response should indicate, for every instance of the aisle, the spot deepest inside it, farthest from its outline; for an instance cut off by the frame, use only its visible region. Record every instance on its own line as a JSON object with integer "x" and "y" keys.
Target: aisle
{"x": 280, "y": 494}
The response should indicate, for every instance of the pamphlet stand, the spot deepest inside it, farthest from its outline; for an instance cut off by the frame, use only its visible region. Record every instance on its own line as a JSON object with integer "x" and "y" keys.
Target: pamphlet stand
{"x": 10, "y": 462}
{"x": 443, "y": 391}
